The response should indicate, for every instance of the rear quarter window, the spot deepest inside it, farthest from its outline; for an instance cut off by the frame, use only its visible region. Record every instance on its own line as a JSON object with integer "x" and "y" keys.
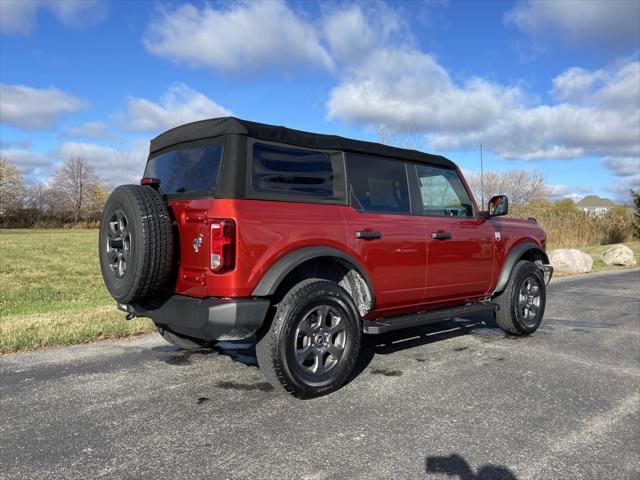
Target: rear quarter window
{"x": 291, "y": 171}
{"x": 187, "y": 170}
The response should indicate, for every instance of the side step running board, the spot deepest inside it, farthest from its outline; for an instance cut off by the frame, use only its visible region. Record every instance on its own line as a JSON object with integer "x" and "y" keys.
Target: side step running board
{"x": 384, "y": 325}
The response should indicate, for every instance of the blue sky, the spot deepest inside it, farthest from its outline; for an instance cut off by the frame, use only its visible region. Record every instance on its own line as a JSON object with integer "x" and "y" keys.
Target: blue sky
{"x": 547, "y": 86}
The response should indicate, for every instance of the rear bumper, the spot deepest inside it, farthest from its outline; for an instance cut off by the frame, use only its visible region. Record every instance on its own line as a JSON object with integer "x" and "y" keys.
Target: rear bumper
{"x": 206, "y": 319}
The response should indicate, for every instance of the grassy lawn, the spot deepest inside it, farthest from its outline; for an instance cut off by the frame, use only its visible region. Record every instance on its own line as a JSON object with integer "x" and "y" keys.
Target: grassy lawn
{"x": 51, "y": 291}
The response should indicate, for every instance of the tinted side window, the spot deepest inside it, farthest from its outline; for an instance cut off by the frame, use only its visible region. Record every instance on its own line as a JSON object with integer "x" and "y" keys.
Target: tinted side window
{"x": 185, "y": 170}
{"x": 443, "y": 193}
{"x": 378, "y": 185}
{"x": 291, "y": 171}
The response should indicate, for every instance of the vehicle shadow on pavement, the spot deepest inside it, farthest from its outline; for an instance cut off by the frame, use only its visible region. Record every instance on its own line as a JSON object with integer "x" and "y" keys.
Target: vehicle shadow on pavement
{"x": 455, "y": 465}
{"x": 241, "y": 351}
{"x": 388, "y": 343}
{"x": 244, "y": 351}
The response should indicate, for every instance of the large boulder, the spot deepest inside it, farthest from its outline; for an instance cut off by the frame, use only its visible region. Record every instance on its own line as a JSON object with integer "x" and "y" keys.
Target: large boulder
{"x": 570, "y": 260}
{"x": 618, "y": 255}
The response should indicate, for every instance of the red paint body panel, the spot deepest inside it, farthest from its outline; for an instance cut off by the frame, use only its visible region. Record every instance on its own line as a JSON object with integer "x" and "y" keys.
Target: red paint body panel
{"x": 396, "y": 263}
{"x": 408, "y": 269}
{"x": 265, "y": 232}
{"x": 513, "y": 231}
{"x": 461, "y": 267}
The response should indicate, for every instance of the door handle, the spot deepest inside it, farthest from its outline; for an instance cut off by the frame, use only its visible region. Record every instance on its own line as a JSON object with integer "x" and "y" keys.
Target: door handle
{"x": 368, "y": 235}
{"x": 441, "y": 236}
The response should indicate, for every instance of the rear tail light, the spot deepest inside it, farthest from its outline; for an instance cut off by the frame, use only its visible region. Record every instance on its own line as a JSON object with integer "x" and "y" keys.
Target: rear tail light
{"x": 223, "y": 243}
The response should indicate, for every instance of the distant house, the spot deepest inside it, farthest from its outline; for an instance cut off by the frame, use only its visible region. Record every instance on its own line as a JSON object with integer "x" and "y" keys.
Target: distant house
{"x": 595, "y": 205}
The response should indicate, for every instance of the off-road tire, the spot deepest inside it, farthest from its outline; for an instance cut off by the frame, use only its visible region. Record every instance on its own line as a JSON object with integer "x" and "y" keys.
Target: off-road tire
{"x": 510, "y": 316}
{"x": 151, "y": 244}
{"x": 179, "y": 341}
{"x": 276, "y": 346}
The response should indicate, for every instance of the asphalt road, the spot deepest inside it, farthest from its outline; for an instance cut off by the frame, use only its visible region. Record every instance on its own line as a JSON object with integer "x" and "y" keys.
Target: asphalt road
{"x": 458, "y": 400}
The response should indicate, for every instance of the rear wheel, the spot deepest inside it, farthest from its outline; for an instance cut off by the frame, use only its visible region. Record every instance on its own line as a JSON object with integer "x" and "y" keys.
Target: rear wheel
{"x": 521, "y": 304}
{"x": 313, "y": 341}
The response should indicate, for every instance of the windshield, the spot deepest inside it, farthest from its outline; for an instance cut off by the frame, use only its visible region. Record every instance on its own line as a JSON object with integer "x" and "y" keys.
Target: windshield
{"x": 187, "y": 170}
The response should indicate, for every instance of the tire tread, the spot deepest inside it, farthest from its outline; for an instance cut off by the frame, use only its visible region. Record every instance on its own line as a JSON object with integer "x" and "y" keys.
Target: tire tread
{"x": 267, "y": 348}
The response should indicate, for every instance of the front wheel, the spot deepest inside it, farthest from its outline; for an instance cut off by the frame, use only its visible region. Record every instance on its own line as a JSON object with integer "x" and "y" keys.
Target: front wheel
{"x": 521, "y": 304}
{"x": 312, "y": 344}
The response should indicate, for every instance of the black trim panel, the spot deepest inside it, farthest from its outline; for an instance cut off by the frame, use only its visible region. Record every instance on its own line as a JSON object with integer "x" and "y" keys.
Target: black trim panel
{"x": 206, "y": 318}
{"x": 279, "y": 270}
{"x": 425, "y": 318}
{"x": 514, "y": 255}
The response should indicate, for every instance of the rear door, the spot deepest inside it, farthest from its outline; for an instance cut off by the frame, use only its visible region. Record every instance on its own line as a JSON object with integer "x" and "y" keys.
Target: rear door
{"x": 460, "y": 243}
{"x": 382, "y": 232}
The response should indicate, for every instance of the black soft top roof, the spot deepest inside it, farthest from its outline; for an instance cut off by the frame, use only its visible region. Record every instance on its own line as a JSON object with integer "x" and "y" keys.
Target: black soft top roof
{"x": 215, "y": 127}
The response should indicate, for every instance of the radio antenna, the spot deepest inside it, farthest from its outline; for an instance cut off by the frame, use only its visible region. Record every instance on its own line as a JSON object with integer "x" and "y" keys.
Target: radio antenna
{"x": 481, "y": 179}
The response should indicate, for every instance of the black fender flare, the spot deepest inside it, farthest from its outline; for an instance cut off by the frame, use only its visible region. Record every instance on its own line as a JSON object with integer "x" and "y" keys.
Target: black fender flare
{"x": 270, "y": 281}
{"x": 514, "y": 255}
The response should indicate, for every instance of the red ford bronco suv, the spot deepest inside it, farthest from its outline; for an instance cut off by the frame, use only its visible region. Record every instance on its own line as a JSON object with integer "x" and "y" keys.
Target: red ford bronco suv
{"x": 308, "y": 241}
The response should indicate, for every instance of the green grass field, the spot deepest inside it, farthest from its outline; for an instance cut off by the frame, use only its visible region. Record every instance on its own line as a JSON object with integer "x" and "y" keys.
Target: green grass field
{"x": 51, "y": 291}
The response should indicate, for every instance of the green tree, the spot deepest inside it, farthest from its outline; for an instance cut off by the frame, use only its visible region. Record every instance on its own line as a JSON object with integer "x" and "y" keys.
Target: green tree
{"x": 564, "y": 206}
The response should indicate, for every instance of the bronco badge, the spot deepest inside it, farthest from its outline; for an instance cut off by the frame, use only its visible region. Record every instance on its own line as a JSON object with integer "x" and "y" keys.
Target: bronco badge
{"x": 197, "y": 243}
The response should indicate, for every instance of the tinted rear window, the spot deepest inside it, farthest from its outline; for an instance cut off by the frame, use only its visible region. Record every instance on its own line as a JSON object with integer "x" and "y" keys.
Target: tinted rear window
{"x": 377, "y": 184}
{"x": 291, "y": 171}
{"x": 187, "y": 170}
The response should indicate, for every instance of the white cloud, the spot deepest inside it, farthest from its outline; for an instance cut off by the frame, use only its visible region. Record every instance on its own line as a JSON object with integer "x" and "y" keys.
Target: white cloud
{"x": 19, "y": 16}
{"x": 588, "y": 21}
{"x": 623, "y": 166}
{"x": 33, "y": 108}
{"x": 114, "y": 166}
{"x": 30, "y": 164}
{"x": 99, "y": 130}
{"x": 179, "y": 104}
{"x": 558, "y": 192}
{"x": 351, "y": 32}
{"x": 241, "y": 37}
{"x": 399, "y": 87}
{"x": 626, "y": 171}
{"x": 19, "y": 143}
{"x": 573, "y": 83}
{"x": 621, "y": 188}
{"x": 593, "y": 112}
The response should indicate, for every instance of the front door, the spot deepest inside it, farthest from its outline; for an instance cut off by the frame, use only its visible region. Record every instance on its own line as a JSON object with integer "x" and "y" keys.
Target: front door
{"x": 460, "y": 242}
{"x": 382, "y": 232}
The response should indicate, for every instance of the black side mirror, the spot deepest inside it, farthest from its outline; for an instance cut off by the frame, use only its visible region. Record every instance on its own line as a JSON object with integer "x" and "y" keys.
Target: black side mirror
{"x": 498, "y": 205}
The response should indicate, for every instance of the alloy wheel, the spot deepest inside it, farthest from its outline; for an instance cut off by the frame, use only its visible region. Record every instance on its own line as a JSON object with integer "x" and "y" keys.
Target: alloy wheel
{"x": 320, "y": 340}
{"x": 118, "y": 243}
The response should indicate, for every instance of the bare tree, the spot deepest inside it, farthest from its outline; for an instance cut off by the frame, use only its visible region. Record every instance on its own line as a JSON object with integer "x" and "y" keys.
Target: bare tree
{"x": 72, "y": 185}
{"x": 38, "y": 198}
{"x": 98, "y": 195}
{"x": 407, "y": 137}
{"x": 521, "y": 186}
{"x": 12, "y": 189}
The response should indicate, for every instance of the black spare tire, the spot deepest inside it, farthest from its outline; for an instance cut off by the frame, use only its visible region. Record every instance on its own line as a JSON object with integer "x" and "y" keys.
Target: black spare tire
{"x": 136, "y": 244}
